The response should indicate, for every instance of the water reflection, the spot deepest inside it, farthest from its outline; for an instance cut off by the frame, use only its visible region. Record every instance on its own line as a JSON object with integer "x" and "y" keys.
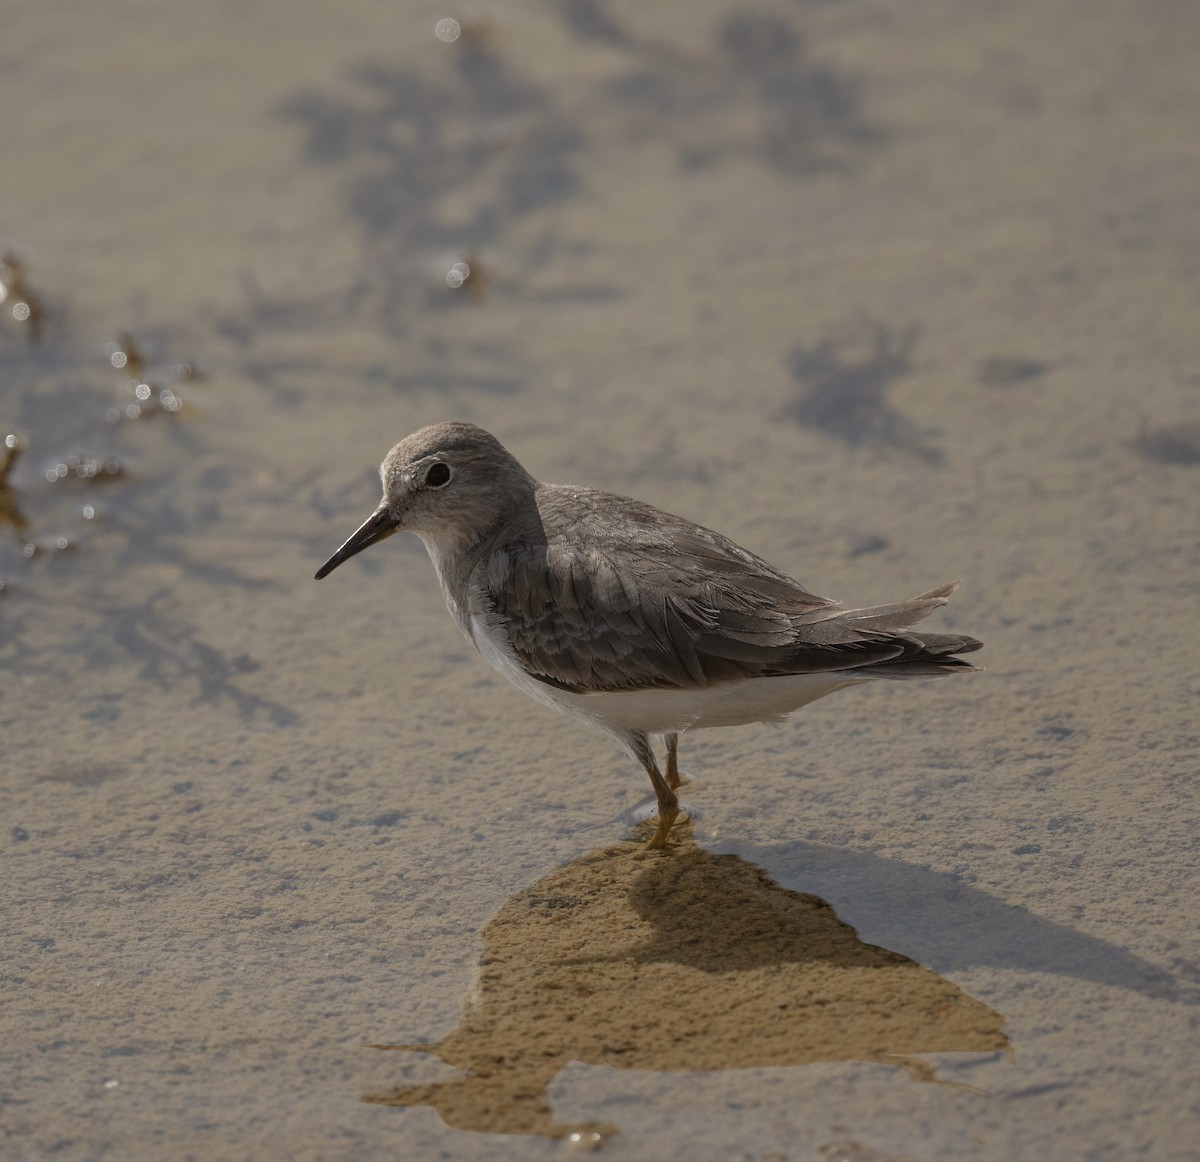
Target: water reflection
{"x": 688, "y": 961}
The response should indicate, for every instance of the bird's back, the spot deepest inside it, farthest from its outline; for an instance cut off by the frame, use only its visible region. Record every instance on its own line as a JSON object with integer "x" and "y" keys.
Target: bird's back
{"x": 602, "y": 593}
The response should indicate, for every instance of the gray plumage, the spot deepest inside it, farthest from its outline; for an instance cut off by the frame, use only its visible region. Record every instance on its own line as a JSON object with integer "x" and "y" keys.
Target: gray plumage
{"x": 604, "y": 593}
{"x": 637, "y": 620}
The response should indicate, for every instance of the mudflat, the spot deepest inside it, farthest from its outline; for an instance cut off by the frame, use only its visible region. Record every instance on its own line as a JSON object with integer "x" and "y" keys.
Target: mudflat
{"x": 887, "y": 296}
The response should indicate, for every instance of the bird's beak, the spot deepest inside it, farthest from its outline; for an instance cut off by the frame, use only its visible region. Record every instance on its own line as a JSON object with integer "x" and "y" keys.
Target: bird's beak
{"x": 377, "y": 527}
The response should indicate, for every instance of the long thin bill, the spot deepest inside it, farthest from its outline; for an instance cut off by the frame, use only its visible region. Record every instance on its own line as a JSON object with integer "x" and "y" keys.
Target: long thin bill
{"x": 377, "y": 527}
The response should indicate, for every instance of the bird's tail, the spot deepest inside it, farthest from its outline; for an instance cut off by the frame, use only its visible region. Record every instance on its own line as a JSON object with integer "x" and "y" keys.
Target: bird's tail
{"x": 931, "y": 654}
{"x": 900, "y": 614}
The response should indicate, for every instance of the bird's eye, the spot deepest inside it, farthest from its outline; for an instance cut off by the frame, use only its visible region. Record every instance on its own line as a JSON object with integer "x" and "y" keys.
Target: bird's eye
{"x": 438, "y": 475}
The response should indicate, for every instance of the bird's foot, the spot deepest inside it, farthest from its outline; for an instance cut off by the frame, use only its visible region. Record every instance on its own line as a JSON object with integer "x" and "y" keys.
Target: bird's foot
{"x": 666, "y": 820}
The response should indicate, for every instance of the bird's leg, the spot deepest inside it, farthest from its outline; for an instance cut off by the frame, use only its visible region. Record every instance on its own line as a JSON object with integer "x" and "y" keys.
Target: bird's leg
{"x": 674, "y": 778}
{"x": 668, "y": 805}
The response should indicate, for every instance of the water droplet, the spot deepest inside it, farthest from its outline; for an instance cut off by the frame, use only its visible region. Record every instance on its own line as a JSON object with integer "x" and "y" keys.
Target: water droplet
{"x": 584, "y": 1141}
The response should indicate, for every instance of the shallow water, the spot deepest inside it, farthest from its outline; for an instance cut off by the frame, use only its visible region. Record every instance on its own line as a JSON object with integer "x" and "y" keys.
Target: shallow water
{"x": 889, "y": 296}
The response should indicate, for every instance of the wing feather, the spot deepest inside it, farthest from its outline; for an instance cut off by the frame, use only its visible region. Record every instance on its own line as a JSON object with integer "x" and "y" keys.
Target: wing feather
{"x": 638, "y": 599}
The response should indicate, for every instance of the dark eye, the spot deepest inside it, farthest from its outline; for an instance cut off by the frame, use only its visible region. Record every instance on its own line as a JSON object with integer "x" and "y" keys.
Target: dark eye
{"x": 437, "y": 475}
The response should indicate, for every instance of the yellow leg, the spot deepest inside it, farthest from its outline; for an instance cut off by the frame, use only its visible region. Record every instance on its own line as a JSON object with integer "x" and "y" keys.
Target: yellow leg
{"x": 668, "y": 803}
{"x": 674, "y": 778}
{"x": 666, "y": 820}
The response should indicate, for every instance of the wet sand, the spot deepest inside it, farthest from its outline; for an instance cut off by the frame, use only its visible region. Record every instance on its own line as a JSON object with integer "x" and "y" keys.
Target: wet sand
{"x": 889, "y": 296}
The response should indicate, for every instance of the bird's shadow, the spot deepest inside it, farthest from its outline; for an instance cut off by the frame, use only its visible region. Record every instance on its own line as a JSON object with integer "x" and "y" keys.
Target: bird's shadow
{"x": 949, "y": 926}
{"x": 677, "y": 961}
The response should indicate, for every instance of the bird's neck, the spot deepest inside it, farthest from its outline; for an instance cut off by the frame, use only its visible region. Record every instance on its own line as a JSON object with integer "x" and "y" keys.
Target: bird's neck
{"x": 454, "y": 560}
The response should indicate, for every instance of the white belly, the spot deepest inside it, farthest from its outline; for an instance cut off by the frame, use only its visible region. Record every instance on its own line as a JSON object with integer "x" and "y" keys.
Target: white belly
{"x": 665, "y": 711}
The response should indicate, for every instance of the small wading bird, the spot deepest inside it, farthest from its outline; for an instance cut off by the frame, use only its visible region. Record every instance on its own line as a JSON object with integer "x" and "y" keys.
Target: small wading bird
{"x": 613, "y": 611}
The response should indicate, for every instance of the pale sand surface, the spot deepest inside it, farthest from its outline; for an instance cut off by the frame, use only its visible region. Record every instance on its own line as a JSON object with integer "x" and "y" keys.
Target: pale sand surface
{"x": 890, "y": 293}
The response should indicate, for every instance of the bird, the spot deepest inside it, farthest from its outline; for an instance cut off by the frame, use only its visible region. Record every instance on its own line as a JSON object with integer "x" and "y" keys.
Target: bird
{"x": 613, "y": 611}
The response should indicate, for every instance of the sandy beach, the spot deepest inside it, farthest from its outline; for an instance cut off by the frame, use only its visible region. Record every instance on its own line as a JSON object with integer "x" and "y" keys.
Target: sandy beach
{"x": 890, "y": 294}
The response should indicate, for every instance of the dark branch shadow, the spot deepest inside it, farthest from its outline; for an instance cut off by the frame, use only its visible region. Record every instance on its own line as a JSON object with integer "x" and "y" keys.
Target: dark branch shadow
{"x": 170, "y": 653}
{"x": 846, "y": 380}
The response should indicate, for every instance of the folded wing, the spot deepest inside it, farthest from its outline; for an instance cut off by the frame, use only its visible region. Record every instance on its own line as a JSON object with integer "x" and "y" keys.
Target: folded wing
{"x": 677, "y": 606}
